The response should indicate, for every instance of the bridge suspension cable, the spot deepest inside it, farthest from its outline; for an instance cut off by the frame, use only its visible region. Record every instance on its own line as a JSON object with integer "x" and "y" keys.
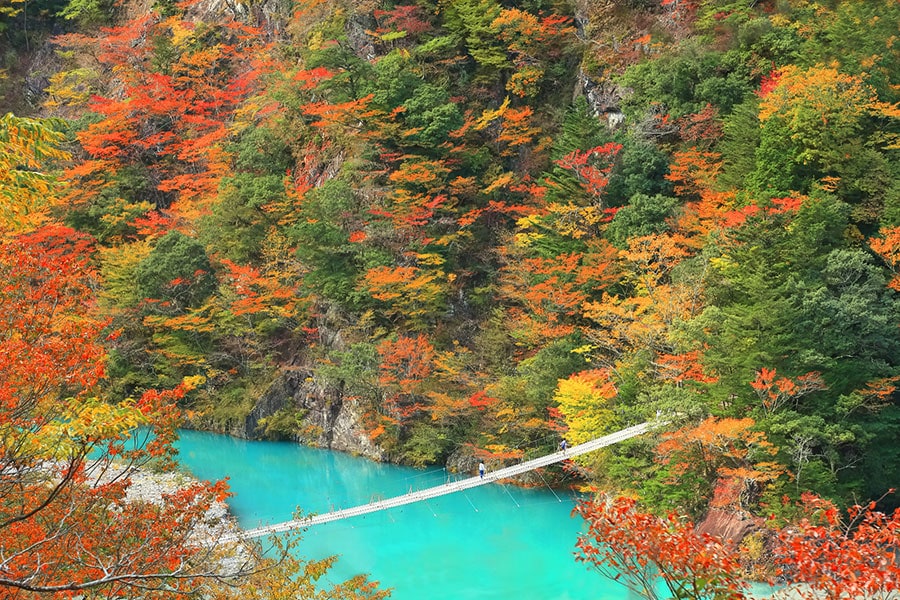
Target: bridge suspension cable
{"x": 447, "y": 488}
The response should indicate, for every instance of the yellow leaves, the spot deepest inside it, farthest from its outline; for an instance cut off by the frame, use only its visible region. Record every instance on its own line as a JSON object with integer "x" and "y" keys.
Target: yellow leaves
{"x": 11, "y": 11}
{"x": 430, "y": 260}
{"x": 612, "y": 311}
{"x": 118, "y": 265}
{"x": 71, "y": 88}
{"x": 822, "y": 109}
{"x": 502, "y": 451}
{"x": 489, "y": 116}
{"x": 180, "y": 34}
{"x": 192, "y": 382}
{"x": 524, "y": 82}
{"x": 568, "y": 220}
{"x": 500, "y": 182}
{"x": 889, "y": 111}
{"x": 26, "y": 190}
{"x": 583, "y": 350}
{"x": 408, "y": 292}
{"x": 574, "y": 221}
{"x": 193, "y": 322}
{"x": 585, "y": 401}
{"x": 84, "y": 422}
{"x": 824, "y": 91}
{"x": 651, "y": 258}
{"x": 528, "y": 222}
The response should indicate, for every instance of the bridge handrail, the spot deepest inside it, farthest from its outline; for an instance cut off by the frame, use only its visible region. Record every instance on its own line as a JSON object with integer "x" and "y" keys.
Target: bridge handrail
{"x": 447, "y": 488}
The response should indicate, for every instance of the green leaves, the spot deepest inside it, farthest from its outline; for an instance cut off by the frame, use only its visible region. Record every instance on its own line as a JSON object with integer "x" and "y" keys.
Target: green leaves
{"x": 176, "y": 274}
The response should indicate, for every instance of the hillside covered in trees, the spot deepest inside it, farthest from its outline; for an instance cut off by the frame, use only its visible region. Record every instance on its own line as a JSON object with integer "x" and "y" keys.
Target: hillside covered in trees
{"x": 474, "y": 227}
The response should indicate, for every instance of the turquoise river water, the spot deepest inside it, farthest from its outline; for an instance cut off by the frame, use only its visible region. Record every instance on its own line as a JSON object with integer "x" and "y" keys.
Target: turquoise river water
{"x": 493, "y": 542}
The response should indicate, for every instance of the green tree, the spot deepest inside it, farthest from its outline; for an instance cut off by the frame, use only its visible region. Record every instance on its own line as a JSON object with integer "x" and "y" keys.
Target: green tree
{"x": 176, "y": 275}
{"x": 643, "y": 215}
{"x": 849, "y": 316}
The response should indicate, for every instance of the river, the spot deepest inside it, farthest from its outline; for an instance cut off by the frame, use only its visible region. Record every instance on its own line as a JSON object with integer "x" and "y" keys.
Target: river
{"x": 493, "y": 542}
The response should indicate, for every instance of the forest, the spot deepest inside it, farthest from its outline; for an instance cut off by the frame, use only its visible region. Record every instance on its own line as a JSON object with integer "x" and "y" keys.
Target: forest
{"x": 477, "y": 227}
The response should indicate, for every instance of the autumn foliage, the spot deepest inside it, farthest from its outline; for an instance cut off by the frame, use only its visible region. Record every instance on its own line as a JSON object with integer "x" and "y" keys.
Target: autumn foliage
{"x": 479, "y": 226}
{"x": 642, "y": 551}
{"x": 821, "y": 555}
{"x": 831, "y": 555}
{"x": 67, "y": 523}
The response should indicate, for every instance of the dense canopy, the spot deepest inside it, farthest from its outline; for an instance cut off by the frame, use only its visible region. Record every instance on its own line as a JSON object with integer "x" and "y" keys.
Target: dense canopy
{"x": 479, "y": 226}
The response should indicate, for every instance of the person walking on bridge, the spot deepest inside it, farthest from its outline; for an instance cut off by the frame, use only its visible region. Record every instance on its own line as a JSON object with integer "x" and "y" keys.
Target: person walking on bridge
{"x": 481, "y": 469}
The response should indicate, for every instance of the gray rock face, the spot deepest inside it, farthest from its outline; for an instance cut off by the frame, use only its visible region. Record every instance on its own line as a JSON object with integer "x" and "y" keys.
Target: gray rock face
{"x": 326, "y": 418}
{"x": 603, "y": 97}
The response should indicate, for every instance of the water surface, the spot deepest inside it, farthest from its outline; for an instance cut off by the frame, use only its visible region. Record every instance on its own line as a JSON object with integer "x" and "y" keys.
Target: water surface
{"x": 493, "y": 542}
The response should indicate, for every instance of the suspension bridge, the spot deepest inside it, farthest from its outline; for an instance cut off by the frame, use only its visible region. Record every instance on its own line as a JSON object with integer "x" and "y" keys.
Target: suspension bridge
{"x": 447, "y": 488}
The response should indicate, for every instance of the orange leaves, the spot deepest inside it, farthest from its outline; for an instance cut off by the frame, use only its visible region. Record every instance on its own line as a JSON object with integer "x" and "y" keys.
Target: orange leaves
{"x": 421, "y": 174}
{"x": 554, "y": 286}
{"x": 419, "y": 195}
{"x": 592, "y": 167}
{"x": 259, "y": 294}
{"x": 516, "y": 129}
{"x": 727, "y": 452}
{"x": 776, "y": 206}
{"x": 877, "y": 394}
{"x": 552, "y": 290}
{"x": 406, "y": 364}
{"x": 836, "y": 559}
{"x": 887, "y": 246}
{"x": 683, "y": 367}
{"x": 776, "y": 393}
{"x": 46, "y": 301}
{"x": 828, "y": 557}
{"x": 413, "y": 293}
{"x": 511, "y": 127}
{"x": 531, "y": 40}
{"x": 61, "y": 514}
{"x": 693, "y": 171}
{"x": 421, "y": 383}
{"x": 172, "y": 121}
{"x": 498, "y": 453}
{"x": 338, "y": 115}
{"x": 527, "y": 34}
{"x": 714, "y": 436}
{"x": 637, "y": 549}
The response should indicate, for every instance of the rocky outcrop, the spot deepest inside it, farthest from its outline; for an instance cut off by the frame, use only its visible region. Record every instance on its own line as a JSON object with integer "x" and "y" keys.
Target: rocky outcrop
{"x": 604, "y": 98}
{"x": 727, "y": 525}
{"x": 320, "y": 417}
